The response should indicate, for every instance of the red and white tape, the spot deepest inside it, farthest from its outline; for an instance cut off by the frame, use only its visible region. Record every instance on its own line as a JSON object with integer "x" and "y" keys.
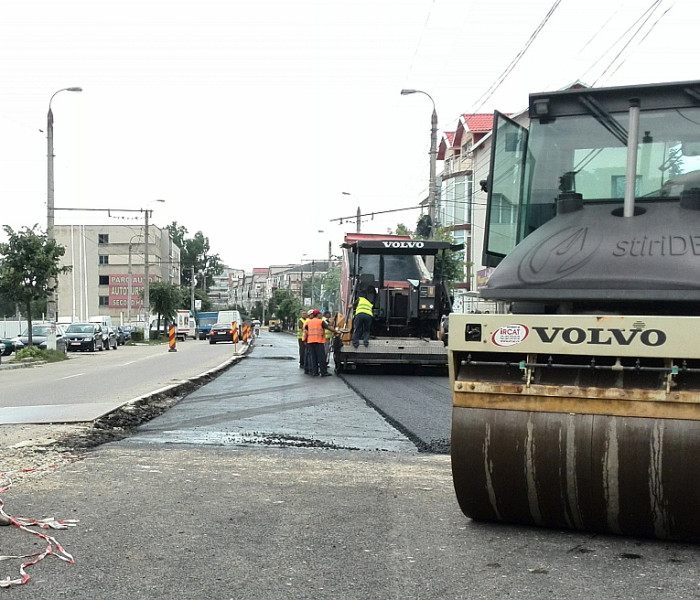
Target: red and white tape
{"x": 53, "y": 547}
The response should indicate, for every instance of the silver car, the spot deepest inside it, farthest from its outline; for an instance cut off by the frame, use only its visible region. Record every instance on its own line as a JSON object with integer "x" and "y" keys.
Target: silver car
{"x": 40, "y": 334}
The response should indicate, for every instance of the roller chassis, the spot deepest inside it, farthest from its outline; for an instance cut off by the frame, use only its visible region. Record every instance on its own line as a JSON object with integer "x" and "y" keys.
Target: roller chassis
{"x": 572, "y": 421}
{"x": 581, "y": 408}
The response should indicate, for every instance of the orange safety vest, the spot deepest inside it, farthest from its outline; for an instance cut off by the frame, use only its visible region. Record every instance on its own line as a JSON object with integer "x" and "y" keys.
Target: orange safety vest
{"x": 314, "y": 331}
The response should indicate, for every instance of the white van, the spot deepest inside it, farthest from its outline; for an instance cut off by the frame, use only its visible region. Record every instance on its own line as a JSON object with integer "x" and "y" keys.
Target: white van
{"x": 186, "y": 325}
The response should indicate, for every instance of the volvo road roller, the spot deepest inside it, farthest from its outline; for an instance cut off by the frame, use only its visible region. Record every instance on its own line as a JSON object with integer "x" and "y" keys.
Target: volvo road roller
{"x": 578, "y": 406}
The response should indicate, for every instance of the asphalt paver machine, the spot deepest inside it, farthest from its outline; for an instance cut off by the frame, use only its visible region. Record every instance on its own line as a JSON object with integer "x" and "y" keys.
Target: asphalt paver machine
{"x": 409, "y": 297}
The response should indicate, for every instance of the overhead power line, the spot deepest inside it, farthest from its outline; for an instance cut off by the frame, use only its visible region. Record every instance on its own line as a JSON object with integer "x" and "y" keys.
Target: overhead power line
{"x": 501, "y": 78}
{"x": 624, "y": 60}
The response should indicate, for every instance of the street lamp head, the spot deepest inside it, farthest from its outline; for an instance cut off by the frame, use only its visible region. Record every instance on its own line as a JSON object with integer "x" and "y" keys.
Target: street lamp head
{"x": 74, "y": 89}
{"x": 407, "y": 91}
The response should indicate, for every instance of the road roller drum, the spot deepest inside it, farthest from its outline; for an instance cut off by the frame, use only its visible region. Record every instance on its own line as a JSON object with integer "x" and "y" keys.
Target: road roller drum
{"x": 600, "y": 473}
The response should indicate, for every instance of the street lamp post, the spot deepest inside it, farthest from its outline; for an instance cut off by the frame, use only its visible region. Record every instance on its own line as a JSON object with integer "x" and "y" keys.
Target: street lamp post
{"x": 147, "y": 282}
{"x": 130, "y": 281}
{"x": 432, "y": 192}
{"x": 51, "y": 305}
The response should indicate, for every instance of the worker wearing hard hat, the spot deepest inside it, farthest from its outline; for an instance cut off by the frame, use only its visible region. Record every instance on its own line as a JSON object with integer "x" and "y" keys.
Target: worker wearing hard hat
{"x": 316, "y": 342}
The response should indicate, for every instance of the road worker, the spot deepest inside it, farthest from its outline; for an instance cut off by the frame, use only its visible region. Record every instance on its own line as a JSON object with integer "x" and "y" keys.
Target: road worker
{"x": 316, "y": 343}
{"x": 301, "y": 321}
{"x": 362, "y": 323}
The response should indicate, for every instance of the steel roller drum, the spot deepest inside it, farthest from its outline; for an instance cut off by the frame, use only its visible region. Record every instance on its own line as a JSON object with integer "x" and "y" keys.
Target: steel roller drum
{"x": 623, "y": 475}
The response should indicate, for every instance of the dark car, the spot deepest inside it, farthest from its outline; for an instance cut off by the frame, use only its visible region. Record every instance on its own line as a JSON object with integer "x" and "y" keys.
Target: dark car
{"x": 84, "y": 336}
{"x": 121, "y": 336}
{"x": 127, "y": 329}
{"x": 10, "y": 345}
{"x": 40, "y": 333}
{"x": 274, "y": 325}
{"x": 220, "y": 332}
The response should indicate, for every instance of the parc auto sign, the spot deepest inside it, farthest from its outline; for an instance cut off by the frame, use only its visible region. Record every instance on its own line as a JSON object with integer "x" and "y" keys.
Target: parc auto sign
{"x": 509, "y": 335}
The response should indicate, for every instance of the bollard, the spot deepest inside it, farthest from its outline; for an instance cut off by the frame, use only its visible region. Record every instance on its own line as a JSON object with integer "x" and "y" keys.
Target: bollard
{"x": 234, "y": 333}
{"x": 172, "y": 339}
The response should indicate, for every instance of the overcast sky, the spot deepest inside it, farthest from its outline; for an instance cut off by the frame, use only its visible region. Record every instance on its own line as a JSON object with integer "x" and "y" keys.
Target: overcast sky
{"x": 258, "y": 121}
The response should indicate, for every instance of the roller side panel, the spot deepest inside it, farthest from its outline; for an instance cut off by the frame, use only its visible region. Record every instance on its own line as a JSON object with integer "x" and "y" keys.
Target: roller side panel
{"x": 597, "y": 441}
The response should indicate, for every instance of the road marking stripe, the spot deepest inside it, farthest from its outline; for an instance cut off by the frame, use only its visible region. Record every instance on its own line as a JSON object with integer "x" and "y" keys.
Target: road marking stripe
{"x": 71, "y": 376}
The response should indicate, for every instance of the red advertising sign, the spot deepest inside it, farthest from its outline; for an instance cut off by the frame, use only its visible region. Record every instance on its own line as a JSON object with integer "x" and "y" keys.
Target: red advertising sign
{"x": 119, "y": 290}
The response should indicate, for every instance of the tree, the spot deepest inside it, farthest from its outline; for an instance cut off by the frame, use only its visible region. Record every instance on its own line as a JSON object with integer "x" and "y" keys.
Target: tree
{"x": 29, "y": 270}
{"x": 206, "y": 303}
{"x": 423, "y": 227}
{"x": 401, "y": 229}
{"x": 284, "y": 305}
{"x": 257, "y": 311}
{"x": 195, "y": 253}
{"x": 453, "y": 265}
{"x": 331, "y": 288}
{"x": 165, "y": 299}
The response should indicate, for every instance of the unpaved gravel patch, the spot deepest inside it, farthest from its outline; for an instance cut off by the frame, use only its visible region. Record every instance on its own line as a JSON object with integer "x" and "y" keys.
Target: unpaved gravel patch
{"x": 30, "y": 451}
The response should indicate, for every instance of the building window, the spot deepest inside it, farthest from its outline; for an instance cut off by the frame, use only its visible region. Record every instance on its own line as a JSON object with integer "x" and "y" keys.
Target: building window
{"x": 104, "y": 279}
{"x": 104, "y": 259}
{"x": 104, "y": 300}
{"x": 103, "y": 238}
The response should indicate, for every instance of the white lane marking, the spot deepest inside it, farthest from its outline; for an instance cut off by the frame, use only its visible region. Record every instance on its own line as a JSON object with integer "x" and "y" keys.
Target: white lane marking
{"x": 71, "y": 376}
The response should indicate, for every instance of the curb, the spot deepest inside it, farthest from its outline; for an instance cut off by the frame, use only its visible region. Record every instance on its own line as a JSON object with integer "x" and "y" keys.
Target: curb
{"x": 27, "y": 365}
{"x": 186, "y": 385}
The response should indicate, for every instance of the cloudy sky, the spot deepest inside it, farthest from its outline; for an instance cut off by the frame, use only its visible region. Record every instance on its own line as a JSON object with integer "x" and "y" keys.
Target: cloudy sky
{"x": 259, "y": 121}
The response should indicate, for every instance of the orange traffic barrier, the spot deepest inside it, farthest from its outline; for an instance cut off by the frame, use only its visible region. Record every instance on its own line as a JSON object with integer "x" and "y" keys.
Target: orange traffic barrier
{"x": 235, "y": 332}
{"x": 172, "y": 340}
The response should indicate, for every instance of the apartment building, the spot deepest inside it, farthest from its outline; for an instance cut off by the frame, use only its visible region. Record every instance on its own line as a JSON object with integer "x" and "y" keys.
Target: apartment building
{"x": 108, "y": 269}
{"x": 457, "y": 209}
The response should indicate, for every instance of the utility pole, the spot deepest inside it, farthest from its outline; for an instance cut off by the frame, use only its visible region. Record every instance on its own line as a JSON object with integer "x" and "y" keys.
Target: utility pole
{"x": 192, "y": 290}
{"x": 146, "y": 283}
{"x": 432, "y": 184}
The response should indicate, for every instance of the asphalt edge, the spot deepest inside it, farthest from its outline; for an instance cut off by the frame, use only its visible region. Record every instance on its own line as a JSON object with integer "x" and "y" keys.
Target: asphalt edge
{"x": 117, "y": 424}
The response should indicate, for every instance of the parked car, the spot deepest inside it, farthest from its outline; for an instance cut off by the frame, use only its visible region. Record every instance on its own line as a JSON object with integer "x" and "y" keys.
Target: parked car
{"x": 84, "y": 336}
{"x": 127, "y": 329}
{"x": 121, "y": 336}
{"x": 445, "y": 329}
{"x": 220, "y": 332}
{"x": 164, "y": 330}
{"x": 109, "y": 337}
{"x": 10, "y": 345}
{"x": 40, "y": 333}
{"x": 274, "y": 325}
